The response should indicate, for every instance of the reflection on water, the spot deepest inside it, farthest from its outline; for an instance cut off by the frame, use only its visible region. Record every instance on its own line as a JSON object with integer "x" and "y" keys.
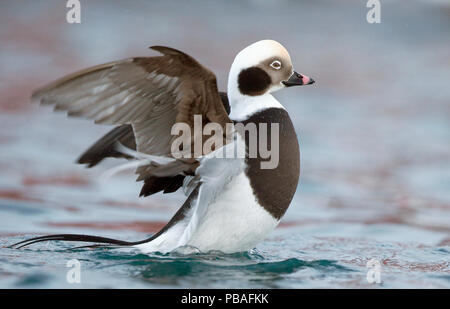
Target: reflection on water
{"x": 373, "y": 133}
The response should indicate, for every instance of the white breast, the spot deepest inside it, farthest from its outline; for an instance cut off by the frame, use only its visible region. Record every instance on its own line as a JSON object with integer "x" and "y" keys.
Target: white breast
{"x": 235, "y": 222}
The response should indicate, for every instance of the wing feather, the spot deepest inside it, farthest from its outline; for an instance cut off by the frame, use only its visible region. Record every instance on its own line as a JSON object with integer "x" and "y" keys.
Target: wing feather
{"x": 150, "y": 93}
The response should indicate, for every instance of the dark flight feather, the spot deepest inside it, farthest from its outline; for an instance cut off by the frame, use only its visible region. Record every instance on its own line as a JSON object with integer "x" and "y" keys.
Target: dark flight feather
{"x": 105, "y": 148}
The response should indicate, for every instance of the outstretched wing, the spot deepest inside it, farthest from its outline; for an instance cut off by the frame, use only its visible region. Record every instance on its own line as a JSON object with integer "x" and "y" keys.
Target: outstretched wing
{"x": 150, "y": 93}
{"x": 105, "y": 147}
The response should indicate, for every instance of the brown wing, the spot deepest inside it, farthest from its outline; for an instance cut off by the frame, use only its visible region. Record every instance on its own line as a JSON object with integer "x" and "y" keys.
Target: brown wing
{"x": 151, "y": 94}
{"x": 123, "y": 134}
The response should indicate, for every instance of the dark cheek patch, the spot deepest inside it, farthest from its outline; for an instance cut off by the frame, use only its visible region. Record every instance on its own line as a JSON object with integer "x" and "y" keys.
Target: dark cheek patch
{"x": 253, "y": 81}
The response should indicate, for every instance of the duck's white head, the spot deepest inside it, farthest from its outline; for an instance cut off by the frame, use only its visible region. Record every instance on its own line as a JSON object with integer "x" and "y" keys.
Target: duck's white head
{"x": 257, "y": 71}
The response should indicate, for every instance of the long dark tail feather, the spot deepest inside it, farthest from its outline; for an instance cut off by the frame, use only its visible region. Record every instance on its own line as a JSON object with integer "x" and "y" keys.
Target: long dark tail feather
{"x": 97, "y": 241}
{"x": 75, "y": 237}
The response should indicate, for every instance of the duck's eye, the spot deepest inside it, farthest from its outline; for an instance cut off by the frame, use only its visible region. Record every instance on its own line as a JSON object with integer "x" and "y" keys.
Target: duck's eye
{"x": 276, "y": 65}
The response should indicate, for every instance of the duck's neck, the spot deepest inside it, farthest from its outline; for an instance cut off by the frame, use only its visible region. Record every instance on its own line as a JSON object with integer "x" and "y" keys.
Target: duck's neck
{"x": 242, "y": 106}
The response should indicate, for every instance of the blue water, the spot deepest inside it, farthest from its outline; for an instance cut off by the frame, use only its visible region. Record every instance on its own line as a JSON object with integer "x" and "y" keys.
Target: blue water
{"x": 373, "y": 133}
{"x": 294, "y": 262}
{"x": 215, "y": 270}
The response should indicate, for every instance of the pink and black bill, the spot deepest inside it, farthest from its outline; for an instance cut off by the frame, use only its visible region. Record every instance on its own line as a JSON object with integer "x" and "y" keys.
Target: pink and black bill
{"x": 298, "y": 79}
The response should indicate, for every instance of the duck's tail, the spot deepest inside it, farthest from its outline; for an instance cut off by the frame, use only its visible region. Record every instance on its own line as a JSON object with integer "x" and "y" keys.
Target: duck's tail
{"x": 76, "y": 237}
